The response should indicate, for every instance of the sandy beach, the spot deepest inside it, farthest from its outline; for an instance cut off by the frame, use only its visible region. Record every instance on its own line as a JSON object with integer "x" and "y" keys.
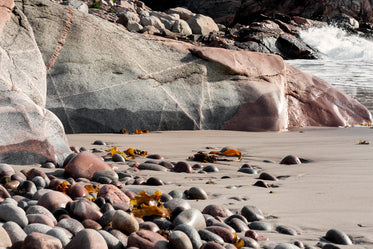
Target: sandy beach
{"x": 332, "y": 190}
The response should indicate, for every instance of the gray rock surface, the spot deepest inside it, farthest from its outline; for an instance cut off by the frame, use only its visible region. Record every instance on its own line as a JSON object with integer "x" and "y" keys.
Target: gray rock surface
{"x": 112, "y": 79}
{"x": 29, "y": 132}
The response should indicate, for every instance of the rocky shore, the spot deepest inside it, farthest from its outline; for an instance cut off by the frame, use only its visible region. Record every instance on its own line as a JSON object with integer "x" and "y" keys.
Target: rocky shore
{"x": 258, "y": 198}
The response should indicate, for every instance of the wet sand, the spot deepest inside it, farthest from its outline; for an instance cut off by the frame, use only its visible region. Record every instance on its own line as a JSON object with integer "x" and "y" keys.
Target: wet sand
{"x": 334, "y": 190}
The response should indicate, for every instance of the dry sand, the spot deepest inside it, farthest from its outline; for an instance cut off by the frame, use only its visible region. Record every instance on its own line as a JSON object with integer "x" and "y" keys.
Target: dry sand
{"x": 332, "y": 191}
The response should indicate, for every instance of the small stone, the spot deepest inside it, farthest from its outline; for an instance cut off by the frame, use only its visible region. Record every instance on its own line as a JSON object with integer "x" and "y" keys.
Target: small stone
{"x": 250, "y": 243}
{"x": 37, "y": 240}
{"x": 152, "y": 166}
{"x": 5, "y": 240}
{"x": 254, "y": 235}
{"x": 192, "y": 217}
{"x": 87, "y": 238}
{"x": 40, "y": 218}
{"x": 111, "y": 241}
{"x": 286, "y": 230}
{"x": 268, "y": 177}
{"x": 6, "y": 170}
{"x": 27, "y": 187}
{"x": 176, "y": 194}
{"x": 260, "y": 225}
{"x": 113, "y": 193}
{"x": 155, "y": 156}
{"x": 60, "y": 234}
{"x": 228, "y": 235}
{"x": 39, "y": 182}
{"x": 36, "y": 227}
{"x": 77, "y": 191}
{"x": 154, "y": 181}
{"x": 262, "y": 184}
{"x": 88, "y": 223}
{"x": 99, "y": 142}
{"x": 4, "y": 193}
{"x": 85, "y": 209}
{"x": 14, "y": 231}
{"x": 210, "y": 236}
{"x": 163, "y": 224}
{"x": 105, "y": 173}
{"x": 210, "y": 168}
{"x": 183, "y": 167}
{"x": 53, "y": 200}
{"x": 252, "y": 213}
{"x": 85, "y": 164}
{"x": 248, "y": 170}
{"x": 147, "y": 225}
{"x": 286, "y": 246}
{"x": 72, "y": 225}
{"x": 37, "y": 209}
{"x": 144, "y": 239}
{"x": 10, "y": 212}
{"x": 118, "y": 158}
{"x": 48, "y": 165}
{"x": 107, "y": 217}
{"x": 290, "y": 159}
{"x": 212, "y": 245}
{"x": 177, "y": 203}
{"x": 197, "y": 166}
{"x": 124, "y": 222}
{"x": 166, "y": 164}
{"x": 196, "y": 193}
{"x": 217, "y": 211}
{"x": 192, "y": 234}
{"x": 338, "y": 237}
{"x": 238, "y": 225}
{"x": 180, "y": 240}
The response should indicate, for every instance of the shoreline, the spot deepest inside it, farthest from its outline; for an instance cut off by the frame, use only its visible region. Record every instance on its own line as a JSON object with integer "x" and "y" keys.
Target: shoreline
{"x": 331, "y": 191}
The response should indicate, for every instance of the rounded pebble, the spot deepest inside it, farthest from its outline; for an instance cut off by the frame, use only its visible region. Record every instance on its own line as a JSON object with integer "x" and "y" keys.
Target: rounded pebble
{"x": 53, "y": 200}
{"x": 192, "y": 217}
{"x": 111, "y": 241}
{"x": 183, "y": 167}
{"x": 217, "y": 211}
{"x": 60, "y": 234}
{"x": 268, "y": 177}
{"x": 72, "y": 225}
{"x": 124, "y": 222}
{"x": 118, "y": 158}
{"x": 196, "y": 193}
{"x": 252, "y": 213}
{"x": 152, "y": 166}
{"x": 286, "y": 246}
{"x": 180, "y": 240}
{"x": 192, "y": 234}
{"x": 210, "y": 236}
{"x": 154, "y": 181}
{"x": 37, "y": 240}
{"x": 36, "y": 227}
{"x": 11, "y": 212}
{"x": 210, "y": 168}
{"x": 87, "y": 238}
{"x": 260, "y": 225}
{"x": 290, "y": 159}
{"x": 338, "y": 237}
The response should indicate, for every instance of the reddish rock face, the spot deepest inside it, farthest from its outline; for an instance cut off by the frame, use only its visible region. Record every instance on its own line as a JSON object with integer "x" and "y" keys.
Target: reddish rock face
{"x": 85, "y": 164}
{"x": 314, "y": 102}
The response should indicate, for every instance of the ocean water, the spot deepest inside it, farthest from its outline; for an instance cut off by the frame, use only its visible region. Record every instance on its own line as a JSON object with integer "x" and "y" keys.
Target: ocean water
{"x": 346, "y": 61}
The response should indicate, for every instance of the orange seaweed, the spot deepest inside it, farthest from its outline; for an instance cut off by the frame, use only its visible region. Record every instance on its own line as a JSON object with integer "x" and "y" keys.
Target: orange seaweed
{"x": 148, "y": 205}
{"x": 227, "y": 152}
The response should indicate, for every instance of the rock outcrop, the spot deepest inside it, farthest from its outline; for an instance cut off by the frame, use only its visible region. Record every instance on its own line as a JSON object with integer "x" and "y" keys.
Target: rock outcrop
{"x": 28, "y": 132}
{"x": 245, "y": 12}
{"x": 106, "y": 78}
